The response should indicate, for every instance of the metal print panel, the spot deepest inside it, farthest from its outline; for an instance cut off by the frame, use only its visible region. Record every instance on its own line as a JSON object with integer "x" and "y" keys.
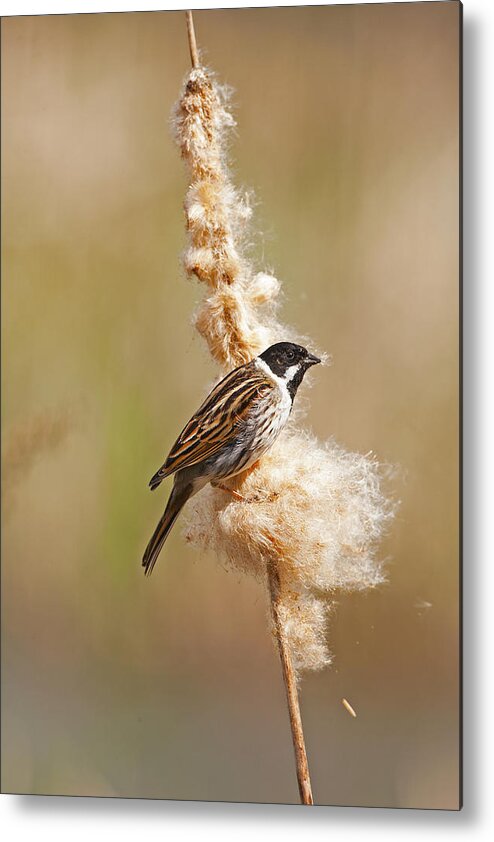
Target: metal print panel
{"x": 230, "y": 271}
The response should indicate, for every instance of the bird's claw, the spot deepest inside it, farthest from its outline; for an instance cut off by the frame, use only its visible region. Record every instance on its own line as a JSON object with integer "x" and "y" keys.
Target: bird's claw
{"x": 233, "y": 493}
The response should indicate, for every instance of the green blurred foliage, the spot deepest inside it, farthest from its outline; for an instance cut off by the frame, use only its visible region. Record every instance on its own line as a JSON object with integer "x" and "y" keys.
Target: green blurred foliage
{"x": 348, "y": 133}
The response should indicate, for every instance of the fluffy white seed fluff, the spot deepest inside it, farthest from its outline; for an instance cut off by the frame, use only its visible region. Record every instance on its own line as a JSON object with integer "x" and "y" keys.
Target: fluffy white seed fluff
{"x": 315, "y": 510}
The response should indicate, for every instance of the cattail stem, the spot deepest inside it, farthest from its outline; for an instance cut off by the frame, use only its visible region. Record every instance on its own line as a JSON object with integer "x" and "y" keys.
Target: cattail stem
{"x": 194, "y": 55}
{"x": 303, "y": 777}
{"x": 289, "y": 676}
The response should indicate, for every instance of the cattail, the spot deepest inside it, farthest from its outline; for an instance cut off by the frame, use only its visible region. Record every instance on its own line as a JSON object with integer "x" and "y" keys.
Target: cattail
{"x": 316, "y": 509}
{"x": 310, "y": 514}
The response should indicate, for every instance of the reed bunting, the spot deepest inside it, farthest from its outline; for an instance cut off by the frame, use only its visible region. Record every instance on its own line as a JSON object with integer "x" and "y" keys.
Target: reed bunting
{"x": 238, "y": 422}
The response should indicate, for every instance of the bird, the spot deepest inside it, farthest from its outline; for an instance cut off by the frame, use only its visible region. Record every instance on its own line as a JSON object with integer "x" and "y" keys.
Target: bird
{"x": 237, "y": 423}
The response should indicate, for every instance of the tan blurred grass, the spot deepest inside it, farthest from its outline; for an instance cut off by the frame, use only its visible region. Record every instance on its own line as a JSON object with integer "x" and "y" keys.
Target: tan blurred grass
{"x": 113, "y": 686}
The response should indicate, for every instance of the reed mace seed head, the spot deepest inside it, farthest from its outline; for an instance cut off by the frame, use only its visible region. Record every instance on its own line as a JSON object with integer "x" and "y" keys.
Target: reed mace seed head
{"x": 314, "y": 509}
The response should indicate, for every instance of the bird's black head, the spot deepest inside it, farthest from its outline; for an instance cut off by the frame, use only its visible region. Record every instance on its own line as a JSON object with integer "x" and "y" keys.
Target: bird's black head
{"x": 289, "y": 362}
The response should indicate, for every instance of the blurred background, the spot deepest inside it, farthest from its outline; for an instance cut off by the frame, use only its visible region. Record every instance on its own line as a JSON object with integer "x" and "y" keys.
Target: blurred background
{"x": 114, "y": 685}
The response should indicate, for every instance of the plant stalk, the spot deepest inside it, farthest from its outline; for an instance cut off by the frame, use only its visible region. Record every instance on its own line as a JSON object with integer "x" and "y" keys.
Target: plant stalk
{"x": 303, "y": 777}
{"x": 194, "y": 55}
{"x": 289, "y": 677}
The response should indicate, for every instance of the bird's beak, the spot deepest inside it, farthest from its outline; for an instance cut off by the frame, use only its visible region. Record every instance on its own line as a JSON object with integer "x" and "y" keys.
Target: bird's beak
{"x": 311, "y": 359}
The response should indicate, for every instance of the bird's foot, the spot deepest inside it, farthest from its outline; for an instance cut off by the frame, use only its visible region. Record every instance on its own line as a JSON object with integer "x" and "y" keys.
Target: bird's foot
{"x": 248, "y": 471}
{"x": 233, "y": 493}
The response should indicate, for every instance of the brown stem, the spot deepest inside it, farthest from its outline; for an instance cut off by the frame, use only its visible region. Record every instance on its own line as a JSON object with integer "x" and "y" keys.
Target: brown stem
{"x": 194, "y": 55}
{"x": 274, "y": 589}
{"x": 289, "y": 678}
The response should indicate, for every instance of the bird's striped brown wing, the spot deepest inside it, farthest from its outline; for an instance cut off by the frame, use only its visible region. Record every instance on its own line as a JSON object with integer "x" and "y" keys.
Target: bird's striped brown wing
{"x": 218, "y": 420}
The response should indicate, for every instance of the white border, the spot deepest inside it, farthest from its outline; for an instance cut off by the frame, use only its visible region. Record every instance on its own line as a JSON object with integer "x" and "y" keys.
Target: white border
{"x": 30, "y": 7}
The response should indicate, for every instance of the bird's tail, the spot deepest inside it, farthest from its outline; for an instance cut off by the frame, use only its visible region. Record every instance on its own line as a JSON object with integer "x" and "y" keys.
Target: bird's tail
{"x": 176, "y": 501}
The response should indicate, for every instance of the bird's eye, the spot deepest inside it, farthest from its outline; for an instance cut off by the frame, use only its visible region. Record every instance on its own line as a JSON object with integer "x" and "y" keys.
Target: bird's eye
{"x": 290, "y": 355}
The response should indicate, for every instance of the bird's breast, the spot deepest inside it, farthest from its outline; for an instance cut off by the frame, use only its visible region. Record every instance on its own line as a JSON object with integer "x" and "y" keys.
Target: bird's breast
{"x": 270, "y": 419}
